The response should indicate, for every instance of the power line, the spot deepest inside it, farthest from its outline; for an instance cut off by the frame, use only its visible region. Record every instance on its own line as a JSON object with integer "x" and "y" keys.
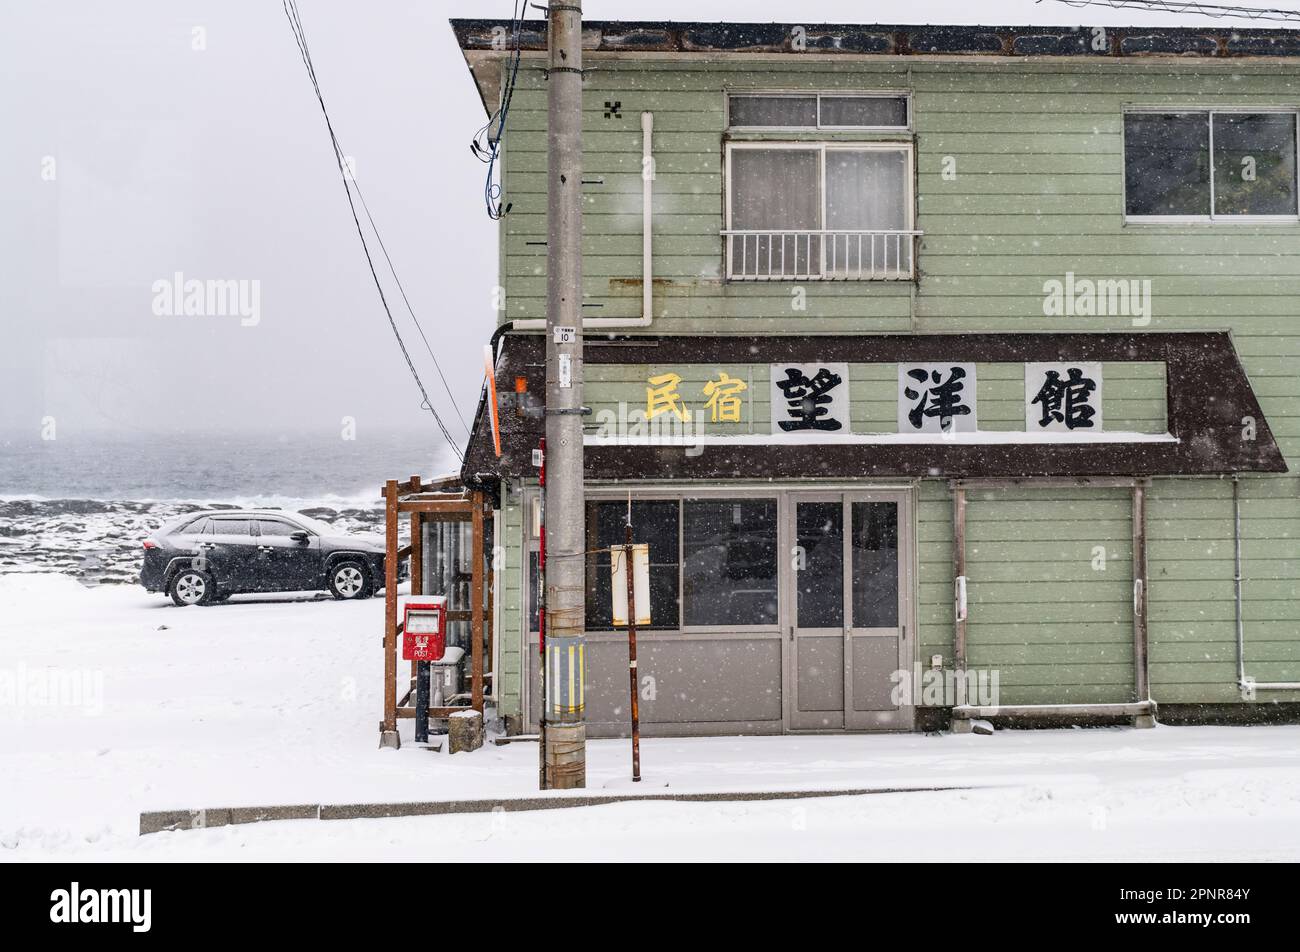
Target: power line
{"x": 300, "y": 37}
{"x": 1213, "y": 10}
{"x": 486, "y": 146}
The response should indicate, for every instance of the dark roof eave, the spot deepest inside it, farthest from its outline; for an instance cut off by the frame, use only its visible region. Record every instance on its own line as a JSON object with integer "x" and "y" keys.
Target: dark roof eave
{"x": 693, "y": 38}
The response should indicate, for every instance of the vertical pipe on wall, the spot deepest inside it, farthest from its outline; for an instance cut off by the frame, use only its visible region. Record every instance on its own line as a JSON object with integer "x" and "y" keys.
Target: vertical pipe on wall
{"x": 1236, "y": 581}
{"x": 1141, "y": 679}
{"x": 959, "y": 579}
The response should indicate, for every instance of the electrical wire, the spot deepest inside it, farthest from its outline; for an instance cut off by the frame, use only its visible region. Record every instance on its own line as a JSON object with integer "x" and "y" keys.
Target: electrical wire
{"x": 486, "y": 146}
{"x": 300, "y": 38}
{"x": 1214, "y": 10}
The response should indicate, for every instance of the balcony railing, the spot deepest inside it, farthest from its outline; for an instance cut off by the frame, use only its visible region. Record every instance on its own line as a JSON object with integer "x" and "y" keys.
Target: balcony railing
{"x": 826, "y": 255}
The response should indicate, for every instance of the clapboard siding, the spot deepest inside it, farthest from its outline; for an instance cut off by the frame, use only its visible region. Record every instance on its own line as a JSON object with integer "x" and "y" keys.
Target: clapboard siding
{"x": 1038, "y": 192}
{"x": 509, "y": 677}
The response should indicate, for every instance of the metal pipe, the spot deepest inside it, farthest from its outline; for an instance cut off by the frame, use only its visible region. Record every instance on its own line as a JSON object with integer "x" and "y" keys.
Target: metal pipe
{"x": 1236, "y": 580}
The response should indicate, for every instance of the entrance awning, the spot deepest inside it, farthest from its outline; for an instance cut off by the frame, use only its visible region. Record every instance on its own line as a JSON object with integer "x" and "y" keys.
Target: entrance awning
{"x": 1214, "y": 422}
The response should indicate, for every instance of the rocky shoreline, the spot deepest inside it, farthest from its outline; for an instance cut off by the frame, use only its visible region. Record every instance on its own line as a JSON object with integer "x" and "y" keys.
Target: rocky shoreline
{"x": 98, "y": 542}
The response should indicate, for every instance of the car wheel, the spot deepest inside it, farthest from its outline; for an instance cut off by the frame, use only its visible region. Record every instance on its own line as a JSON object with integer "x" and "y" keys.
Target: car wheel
{"x": 349, "y": 579}
{"x": 191, "y": 587}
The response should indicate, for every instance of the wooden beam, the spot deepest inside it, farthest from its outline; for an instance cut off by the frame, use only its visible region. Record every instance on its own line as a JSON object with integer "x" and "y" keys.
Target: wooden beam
{"x": 417, "y": 563}
{"x": 1131, "y": 709}
{"x": 476, "y": 604}
{"x": 390, "y": 606}
{"x": 409, "y": 712}
{"x": 490, "y": 531}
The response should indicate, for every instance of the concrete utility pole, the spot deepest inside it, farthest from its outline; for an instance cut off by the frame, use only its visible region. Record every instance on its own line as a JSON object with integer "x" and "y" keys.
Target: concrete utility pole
{"x": 566, "y": 733}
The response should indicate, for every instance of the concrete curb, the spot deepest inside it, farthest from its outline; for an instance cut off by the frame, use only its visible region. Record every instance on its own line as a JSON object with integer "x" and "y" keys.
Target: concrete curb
{"x": 167, "y": 820}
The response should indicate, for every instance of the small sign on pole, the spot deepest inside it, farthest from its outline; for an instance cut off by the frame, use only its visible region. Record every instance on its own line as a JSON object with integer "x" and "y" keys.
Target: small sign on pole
{"x": 640, "y": 583}
{"x": 629, "y": 567}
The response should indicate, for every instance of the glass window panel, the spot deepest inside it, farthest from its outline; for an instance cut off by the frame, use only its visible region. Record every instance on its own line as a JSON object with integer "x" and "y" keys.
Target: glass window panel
{"x": 274, "y": 527}
{"x": 239, "y": 527}
{"x": 654, "y": 522}
{"x": 729, "y": 562}
{"x": 774, "y": 111}
{"x": 1254, "y": 163}
{"x": 819, "y": 582}
{"x": 534, "y": 588}
{"x": 890, "y": 111}
{"x": 875, "y": 565}
{"x": 865, "y": 191}
{"x": 775, "y": 190}
{"x": 1167, "y": 164}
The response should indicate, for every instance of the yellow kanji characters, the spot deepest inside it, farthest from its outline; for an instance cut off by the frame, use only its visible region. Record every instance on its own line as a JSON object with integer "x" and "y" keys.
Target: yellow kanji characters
{"x": 724, "y": 398}
{"x": 661, "y": 396}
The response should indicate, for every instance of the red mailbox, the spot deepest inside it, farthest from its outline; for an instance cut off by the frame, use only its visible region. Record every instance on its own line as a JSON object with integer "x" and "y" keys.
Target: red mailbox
{"x": 424, "y": 628}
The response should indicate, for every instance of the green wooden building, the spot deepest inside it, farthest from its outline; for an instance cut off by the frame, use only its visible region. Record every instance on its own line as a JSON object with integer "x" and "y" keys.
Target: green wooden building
{"x": 950, "y": 371}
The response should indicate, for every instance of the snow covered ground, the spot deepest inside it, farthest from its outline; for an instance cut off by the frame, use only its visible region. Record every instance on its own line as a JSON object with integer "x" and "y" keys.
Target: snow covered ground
{"x": 113, "y": 702}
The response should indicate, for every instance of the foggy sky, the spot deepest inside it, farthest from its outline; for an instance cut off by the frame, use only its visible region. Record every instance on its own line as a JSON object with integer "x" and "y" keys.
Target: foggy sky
{"x": 215, "y": 163}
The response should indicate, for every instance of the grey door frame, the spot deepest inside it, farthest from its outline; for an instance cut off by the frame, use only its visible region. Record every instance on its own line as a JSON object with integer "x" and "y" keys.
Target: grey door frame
{"x": 902, "y": 718}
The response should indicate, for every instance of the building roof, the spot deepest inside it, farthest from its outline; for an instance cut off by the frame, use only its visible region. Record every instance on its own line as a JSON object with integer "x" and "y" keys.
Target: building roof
{"x": 481, "y": 41}
{"x": 640, "y": 36}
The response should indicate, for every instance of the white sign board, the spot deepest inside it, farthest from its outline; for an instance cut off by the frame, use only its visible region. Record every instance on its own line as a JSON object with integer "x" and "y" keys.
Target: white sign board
{"x": 640, "y": 583}
{"x": 810, "y": 398}
{"x": 1063, "y": 398}
{"x": 936, "y": 398}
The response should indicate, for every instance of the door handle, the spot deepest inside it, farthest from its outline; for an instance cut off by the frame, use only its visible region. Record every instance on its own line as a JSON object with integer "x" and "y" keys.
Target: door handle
{"x": 265, "y": 548}
{"x": 206, "y": 545}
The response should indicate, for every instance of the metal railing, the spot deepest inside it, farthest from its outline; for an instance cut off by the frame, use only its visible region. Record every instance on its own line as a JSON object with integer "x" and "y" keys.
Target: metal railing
{"x": 824, "y": 255}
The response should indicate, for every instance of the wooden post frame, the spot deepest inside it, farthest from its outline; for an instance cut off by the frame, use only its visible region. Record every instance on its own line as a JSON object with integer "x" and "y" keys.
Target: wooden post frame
{"x": 476, "y": 600}
{"x": 388, "y": 736}
{"x": 1141, "y": 709}
{"x": 423, "y": 503}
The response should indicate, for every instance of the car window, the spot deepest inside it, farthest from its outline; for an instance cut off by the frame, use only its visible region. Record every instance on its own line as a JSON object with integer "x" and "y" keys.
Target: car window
{"x": 200, "y": 526}
{"x": 275, "y": 527}
{"x": 239, "y": 527}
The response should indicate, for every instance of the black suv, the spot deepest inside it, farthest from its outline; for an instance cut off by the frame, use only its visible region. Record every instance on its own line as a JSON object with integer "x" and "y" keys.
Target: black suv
{"x": 207, "y": 557}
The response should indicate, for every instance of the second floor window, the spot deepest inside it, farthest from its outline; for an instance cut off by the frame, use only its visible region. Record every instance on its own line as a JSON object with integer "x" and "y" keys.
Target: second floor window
{"x": 1211, "y": 165}
{"x": 807, "y": 211}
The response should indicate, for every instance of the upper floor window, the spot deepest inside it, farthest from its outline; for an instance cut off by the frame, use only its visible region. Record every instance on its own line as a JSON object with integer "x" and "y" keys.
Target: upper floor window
{"x": 1210, "y": 165}
{"x": 819, "y": 211}
{"x": 860, "y": 111}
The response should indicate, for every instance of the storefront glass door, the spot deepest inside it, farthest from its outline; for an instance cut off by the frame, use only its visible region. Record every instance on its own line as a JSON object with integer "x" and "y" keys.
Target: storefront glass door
{"x": 848, "y": 630}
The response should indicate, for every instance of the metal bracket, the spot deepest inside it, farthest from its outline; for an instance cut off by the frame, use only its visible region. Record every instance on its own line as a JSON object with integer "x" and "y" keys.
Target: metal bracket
{"x": 568, "y": 411}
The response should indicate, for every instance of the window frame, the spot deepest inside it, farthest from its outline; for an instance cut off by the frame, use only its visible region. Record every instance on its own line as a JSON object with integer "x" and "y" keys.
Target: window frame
{"x": 822, "y": 146}
{"x": 818, "y": 94}
{"x": 681, "y": 497}
{"x": 1209, "y": 112}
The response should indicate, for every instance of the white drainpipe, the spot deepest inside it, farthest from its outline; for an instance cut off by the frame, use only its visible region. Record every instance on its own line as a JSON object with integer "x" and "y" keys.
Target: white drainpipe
{"x": 647, "y": 279}
{"x": 1242, "y": 679}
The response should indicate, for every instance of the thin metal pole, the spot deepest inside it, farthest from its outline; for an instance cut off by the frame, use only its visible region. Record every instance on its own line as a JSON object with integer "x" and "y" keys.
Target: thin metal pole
{"x": 565, "y": 745}
{"x": 631, "y": 651}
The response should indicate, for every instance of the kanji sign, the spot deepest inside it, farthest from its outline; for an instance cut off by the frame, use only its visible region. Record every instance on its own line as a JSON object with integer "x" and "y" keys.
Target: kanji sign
{"x": 810, "y": 398}
{"x": 936, "y": 398}
{"x": 1062, "y": 397}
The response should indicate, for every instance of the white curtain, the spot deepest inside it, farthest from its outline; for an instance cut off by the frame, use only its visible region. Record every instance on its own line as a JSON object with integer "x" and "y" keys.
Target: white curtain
{"x": 775, "y": 190}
